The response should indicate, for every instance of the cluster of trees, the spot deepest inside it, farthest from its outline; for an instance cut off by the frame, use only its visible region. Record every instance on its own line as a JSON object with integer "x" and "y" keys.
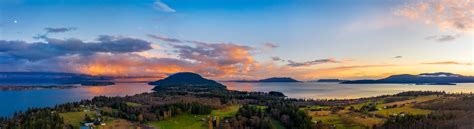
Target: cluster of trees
{"x": 367, "y": 108}
{"x": 290, "y": 115}
{"x": 454, "y": 112}
{"x": 420, "y": 93}
{"x": 34, "y": 119}
{"x": 153, "y": 113}
{"x": 248, "y": 117}
{"x": 408, "y": 121}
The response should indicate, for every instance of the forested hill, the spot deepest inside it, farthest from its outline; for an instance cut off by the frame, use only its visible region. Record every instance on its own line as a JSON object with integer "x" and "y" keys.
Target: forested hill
{"x": 187, "y": 79}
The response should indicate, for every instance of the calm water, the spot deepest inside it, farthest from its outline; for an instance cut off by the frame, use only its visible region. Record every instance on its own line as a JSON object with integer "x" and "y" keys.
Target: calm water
{"x": 20, "y": 100}
{"x": 317, "y": 90}
{"x": 12, "y": 101}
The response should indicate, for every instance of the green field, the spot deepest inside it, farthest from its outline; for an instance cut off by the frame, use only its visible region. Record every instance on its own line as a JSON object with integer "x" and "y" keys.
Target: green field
{"x": 190, "y": 121}
{"x": 277, "y": 124}
{"x": 406, "y": 109}
{"x": 183, "y": 121}
{"x": 132, "y": 104}
{"x": 75, "y": 118}
{"x": 226, "y": 112}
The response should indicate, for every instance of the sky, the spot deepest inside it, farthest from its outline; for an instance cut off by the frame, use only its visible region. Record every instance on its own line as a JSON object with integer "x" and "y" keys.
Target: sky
{"x": 238, "y": 39}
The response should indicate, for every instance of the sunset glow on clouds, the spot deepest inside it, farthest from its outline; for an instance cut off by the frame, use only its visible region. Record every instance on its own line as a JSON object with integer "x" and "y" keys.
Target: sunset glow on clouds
{"x": 238, "y": 40}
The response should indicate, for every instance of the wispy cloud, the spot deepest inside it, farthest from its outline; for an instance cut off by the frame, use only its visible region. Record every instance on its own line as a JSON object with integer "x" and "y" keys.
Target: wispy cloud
{"x": 447, "y": 63}
{"x": 270, "y": 45}
{"x": 166, "y": 39}
{"x": 276, "y": 58}
{"x": 159, "y": 5}
{"x": 59, "y": 29}
{"x": 442, "y": 38}
{"x": 358, "y": 66}
{"x": 446, "y": 14}
{"x": 398, "y": 57}
{"x": 310, "y": 63}
{"x": 51, "y": 30}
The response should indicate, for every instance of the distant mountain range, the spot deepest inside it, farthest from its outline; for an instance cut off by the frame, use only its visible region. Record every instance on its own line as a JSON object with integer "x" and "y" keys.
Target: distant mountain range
{"x": 439, "y": 78}
{"x": 49, "y": 78}
{"x": 186, "y": 79}
{"x": 272, "y": 79}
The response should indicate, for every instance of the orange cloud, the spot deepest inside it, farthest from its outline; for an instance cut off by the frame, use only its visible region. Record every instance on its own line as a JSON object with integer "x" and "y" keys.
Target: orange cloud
{"x": 454, "y": 15}
{"x": 447, "y": 63}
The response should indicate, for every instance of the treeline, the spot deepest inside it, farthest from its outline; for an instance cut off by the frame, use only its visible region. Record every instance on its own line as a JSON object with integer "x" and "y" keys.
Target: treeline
{"x": 290, "y": 115}
{"x": 248, "y": 117}
{"x": 420, "y": 93}
{"x": 419, "y": 122}
{"x": 453, "y": 112}
{"x": 148, "y": 113}
{"x": 34, "y": 119}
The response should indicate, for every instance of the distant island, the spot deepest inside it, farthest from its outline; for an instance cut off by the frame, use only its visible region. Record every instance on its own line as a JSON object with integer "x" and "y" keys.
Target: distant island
{"x": 439, "y": 78}
{"x": 186, "y": 79}
{"x": 331, "y": 80}
{"x": 51, "y": 78}
{"x": 21, "y": 88}
{"x": 272, "y": 79}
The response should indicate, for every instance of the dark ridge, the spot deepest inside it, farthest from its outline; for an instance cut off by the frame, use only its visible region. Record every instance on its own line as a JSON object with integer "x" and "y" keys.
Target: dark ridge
{"x": 279, "y": 79}
{"x": 187, "y": 79}
{"x": 439, "y": 78}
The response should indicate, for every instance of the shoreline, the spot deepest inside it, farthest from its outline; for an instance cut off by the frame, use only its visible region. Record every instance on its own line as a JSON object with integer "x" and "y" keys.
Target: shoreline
{"x": 23, "y": 88}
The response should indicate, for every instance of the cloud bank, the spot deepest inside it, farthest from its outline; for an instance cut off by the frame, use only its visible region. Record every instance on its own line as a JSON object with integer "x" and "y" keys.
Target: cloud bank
{"x": 118, "y": 55}
{"x": 58, "y": 47}
{"x": 456, "y": 15}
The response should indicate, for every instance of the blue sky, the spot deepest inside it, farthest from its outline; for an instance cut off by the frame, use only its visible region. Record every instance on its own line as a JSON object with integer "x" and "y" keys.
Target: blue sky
{"x": 352, "y": 32}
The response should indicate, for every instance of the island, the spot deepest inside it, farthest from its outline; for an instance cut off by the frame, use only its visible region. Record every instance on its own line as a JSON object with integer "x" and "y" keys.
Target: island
{"x": 20, "y": 88}
{"x": 51, "y": 78}
{"x": 186, "y": 79}
{"x": 97, "y": 83}
{"x": 439, "y": 78}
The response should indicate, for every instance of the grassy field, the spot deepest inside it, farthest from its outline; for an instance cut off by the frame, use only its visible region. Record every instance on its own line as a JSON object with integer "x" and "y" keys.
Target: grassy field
{"x": 132, "y": 104}
{"x": 226, "y": 112}
{"x": 277, "y": 124}
{"x": 405, "y": 109}
{"x": 358, "y": 119}
{"x": 190, "y": 121}
{"x": 410, "y": 101}
{"x": 120, "y": 124}
{"x": 335, "y": 120}
{"x": 75, "y": 118}
{"x": 183, "y": 121}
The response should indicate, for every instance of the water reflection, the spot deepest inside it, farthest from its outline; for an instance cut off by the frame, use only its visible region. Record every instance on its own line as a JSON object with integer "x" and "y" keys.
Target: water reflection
{"x": 21, "y": 100}
{"x": 344, "y": 91}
